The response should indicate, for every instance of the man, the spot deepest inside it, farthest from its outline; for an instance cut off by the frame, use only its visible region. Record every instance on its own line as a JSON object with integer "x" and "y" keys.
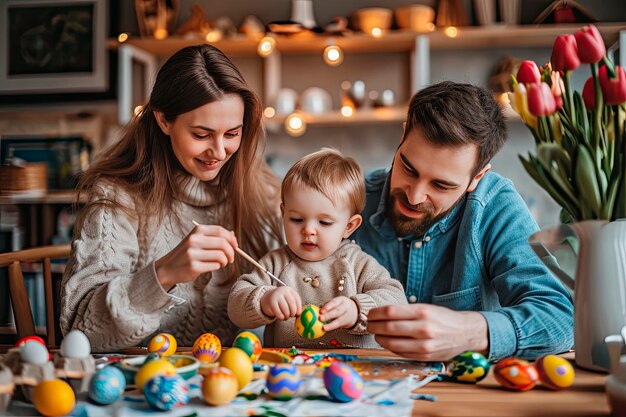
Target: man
{"x": 456, "y": 236}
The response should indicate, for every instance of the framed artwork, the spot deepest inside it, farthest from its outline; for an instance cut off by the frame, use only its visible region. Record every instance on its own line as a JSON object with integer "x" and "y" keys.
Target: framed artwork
{"x": 53, "y": 46}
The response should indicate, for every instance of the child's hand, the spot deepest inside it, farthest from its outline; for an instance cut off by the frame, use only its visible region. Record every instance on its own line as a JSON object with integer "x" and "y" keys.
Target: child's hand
{"x": 341, "y": 312}
{"x": 282, "y": 303}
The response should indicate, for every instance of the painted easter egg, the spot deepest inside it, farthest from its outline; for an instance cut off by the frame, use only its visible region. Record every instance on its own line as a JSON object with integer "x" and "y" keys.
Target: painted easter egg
{"x": 220, "y": 386}
{"x": 239, "y": 362}
{"x": 516, "y": 374}
{"x": 107, "y": 385}
{"x": 75, "y": 345}
{"x": 53, "y": 398}
{"x": 34, "y": 352}
{"x": 207, "y": 348}
{"x": 151, "y": 369}
{"x": 23, "y": 340}
{"x": 469, "y": 367}
{"x": 283, "y": 381}
{"x": 163, "y": 343}
{"x": 249, "y": 343}
{"x": 343, "y": 383}
{"x": 555, "y": 372}
{"x": 308, "y": 323}
{"x": 165, "y": 392}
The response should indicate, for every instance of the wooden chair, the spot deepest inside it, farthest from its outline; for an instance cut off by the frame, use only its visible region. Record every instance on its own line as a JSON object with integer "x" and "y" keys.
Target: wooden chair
{"x": 24, "y": 322}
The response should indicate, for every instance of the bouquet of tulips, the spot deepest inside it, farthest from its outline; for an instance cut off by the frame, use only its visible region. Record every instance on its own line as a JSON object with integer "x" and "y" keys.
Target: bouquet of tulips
{"x": 580, "y": 138}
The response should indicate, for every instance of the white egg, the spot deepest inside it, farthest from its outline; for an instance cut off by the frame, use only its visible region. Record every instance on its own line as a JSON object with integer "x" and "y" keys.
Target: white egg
{"x": 34, "y": 352}
{"x": 75, "y": 345}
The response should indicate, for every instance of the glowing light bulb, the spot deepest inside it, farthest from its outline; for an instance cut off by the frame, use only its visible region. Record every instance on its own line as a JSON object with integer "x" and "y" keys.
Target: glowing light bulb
{"x": 213, "y": 35}
{"x": 451, "y": 32}
{"x": 295, "y": 125}
{"x": 160, "y": 34}
{"x": 347, "y": 111}
{"x": 122, "y": 37}
{"x": 333, "y": 55}
{"x": 377, "y": 32}
{"x": 269, "y": 112}
{"x": 266, "y": 46}
{"x": 138, "y": 110}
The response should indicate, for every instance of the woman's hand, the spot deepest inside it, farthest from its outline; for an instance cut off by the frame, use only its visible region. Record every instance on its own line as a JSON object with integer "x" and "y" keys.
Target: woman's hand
{"x": 206, "y": 248}
{"x": 340, "y": 313}
{"x": 282, "y": 303}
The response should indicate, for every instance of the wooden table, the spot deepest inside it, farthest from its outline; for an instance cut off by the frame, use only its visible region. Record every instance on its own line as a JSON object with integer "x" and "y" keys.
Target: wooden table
{"x": 487, "y": 398}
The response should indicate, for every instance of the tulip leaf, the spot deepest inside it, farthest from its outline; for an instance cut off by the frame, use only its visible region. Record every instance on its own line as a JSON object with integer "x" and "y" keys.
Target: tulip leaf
{"x": 586, "y": 180}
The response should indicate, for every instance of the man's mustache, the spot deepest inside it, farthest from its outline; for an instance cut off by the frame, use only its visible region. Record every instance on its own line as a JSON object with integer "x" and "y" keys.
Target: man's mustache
{"x": 420, "y": 207}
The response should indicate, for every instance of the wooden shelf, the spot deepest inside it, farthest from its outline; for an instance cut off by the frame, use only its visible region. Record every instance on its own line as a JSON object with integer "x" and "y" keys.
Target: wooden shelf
{"x": 392, "y": 41}
{"x": 364, "y": 116}
{"x": 50, "y": 197}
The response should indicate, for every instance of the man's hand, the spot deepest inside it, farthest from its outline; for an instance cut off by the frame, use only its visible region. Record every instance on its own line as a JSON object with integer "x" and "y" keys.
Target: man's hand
{"x": 282, "y": 303}
{"x": 341, "y": 312}
{"x": 427, "y": 332}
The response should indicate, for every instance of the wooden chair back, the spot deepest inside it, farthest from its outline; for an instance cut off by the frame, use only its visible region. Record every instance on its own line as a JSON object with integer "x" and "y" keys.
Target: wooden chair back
{"x": 22, "y": 312}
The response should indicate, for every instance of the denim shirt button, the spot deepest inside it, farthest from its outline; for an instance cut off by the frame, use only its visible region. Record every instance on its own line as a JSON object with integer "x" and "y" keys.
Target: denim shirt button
{"x": 412, "y": 299}
{"x": 418, "y": 244}
{"x": 427, "y": 239}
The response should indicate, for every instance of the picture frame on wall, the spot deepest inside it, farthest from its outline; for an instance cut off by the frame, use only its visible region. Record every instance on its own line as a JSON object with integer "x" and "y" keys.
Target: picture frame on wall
{"x": 53, "y": 46}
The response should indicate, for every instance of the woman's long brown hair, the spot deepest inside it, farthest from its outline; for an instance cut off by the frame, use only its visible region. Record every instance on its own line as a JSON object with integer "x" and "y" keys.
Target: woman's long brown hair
{"x": 144, "y": 164}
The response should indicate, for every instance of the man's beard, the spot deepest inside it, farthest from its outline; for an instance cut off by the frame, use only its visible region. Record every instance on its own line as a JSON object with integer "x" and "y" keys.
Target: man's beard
{"x": 407, "y": 226}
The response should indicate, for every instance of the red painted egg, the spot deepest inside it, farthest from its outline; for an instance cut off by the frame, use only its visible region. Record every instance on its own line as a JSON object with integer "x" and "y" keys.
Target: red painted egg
{"x": 516, "y": 374}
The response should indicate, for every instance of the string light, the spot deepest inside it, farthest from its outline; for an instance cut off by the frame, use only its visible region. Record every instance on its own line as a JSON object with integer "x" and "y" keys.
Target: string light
{"x": 347, "y": 111}
{"x": 266, "y": 46}
{"x": 451, "y": 32}
{"x": 269, "y": 112}
{"x": 122, "y": 37}
{"x": 376, "y": 32}
{"x": 213, "y": 35}
{"x": 295, "y": 124}
{"x": 138, "y": 110}
{"x": 333, "y": 55}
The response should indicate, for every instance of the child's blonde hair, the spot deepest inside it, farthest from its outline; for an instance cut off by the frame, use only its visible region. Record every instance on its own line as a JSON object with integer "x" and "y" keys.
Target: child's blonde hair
{"x": 331, "y": 173}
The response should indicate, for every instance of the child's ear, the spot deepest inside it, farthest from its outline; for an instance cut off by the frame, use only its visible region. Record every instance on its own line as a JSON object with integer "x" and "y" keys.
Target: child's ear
{"x": 353, "y": 224}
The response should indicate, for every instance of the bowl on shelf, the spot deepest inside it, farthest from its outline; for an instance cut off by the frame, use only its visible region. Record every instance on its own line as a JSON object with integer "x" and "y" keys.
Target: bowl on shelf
{"x": 416, "y": 17}
{"x": 372, "y": 17}
{"x": 186, "y": 366}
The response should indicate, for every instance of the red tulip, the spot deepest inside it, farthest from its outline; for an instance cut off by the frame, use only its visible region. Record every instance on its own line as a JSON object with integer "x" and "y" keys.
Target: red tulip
{"x": 589, "y": 95}
{"x": 540, "y": 100}
{"x": 565, "y": 53}
{"x": 528, "y": 73}
{"x": 564, "y": 15}
{"x": 613, "y": 89}
{"x": 591, "y": 47}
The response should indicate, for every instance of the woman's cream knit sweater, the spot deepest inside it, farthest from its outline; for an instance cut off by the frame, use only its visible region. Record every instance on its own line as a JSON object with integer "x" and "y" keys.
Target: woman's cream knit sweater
{"x": 110, "y": 289}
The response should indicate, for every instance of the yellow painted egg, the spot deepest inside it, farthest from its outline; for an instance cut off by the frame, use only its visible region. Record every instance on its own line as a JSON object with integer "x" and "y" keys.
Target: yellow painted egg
{"x": 555, "y": 372}
{"x": 207, "y": 348}
{"x": 158, "y": 367}
{"x": 239, "y": 362}
{"x": 163, "y": 343}
{"x": 308, "y": 323}
{"x": 249, "y": 343}
{"x": 54, "y": 398}
{"x": 220, "y": 386}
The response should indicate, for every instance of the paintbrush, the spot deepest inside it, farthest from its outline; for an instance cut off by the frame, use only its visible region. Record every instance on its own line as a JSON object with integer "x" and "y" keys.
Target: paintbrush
{"x": 253, "y": 262}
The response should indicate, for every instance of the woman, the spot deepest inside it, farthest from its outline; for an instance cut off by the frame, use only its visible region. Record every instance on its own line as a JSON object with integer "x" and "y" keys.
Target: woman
{"x": 138, "y": 264}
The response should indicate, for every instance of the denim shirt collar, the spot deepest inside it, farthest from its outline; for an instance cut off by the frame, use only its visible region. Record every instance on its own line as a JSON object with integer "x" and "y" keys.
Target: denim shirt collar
{"x": 382, "y": 225}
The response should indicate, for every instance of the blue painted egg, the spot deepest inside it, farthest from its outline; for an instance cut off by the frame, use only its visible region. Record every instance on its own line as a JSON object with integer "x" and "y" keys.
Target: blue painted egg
{"x": 107, "y": 385}
{"x": 469, "y": 367}
{"x": 165, "y": 392}
{"x": 343, "y": 383}
{"x": 283, "y": 381}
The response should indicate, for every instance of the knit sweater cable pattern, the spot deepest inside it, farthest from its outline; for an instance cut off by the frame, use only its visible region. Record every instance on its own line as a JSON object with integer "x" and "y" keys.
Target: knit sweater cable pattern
{"x": 110, "y": 289}
{"x": 365, "y": 281}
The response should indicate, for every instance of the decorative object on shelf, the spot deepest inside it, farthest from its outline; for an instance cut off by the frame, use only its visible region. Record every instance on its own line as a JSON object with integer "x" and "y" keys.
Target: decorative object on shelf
{"x": 370, "y": 19}
{"x": 316, "y": 100}
{"x": 196, "y": 25}
{"x": 565, "y": 11}
{"x": 385, "y": 99}
{"x": 286, "y": 101}
{"x": 226, "y": 26}
{"x": 353, "y": 94}
{"x": 485, "y": 12}
{"x": 302, "y": 12}
{"x": 252, "y": 27}
{"x": 416, "y": 17}
{"x": 285, "y": 27}
{"x": 499, "y": 81}
{"x": 452, "y": 13}
{"x": 337, "y": 26}
{"x": 54, "y": 46}
{"x": 580, "y": 161}
{"x": 511, "y": 11}
{"x": 156, "y": 18}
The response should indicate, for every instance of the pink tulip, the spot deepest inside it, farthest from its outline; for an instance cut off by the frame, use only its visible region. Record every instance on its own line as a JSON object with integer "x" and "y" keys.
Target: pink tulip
{"x": 613, "y": 89}
{"x": 589, "y": 95}
{"x": 557, "y": 88}
{"x": 591, "y": 47}
{"x": 540, "y": 100}
{"x": 528, "y": 73}
{"x": 565, "y": 53}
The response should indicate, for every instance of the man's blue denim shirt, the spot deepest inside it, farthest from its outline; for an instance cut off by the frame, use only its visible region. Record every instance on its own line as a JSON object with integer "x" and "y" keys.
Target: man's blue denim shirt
{"x": 477, "y": 258}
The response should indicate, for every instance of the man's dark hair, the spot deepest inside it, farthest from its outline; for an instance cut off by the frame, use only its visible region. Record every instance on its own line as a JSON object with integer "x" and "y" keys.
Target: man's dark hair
{"x": 453, "y": 114}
